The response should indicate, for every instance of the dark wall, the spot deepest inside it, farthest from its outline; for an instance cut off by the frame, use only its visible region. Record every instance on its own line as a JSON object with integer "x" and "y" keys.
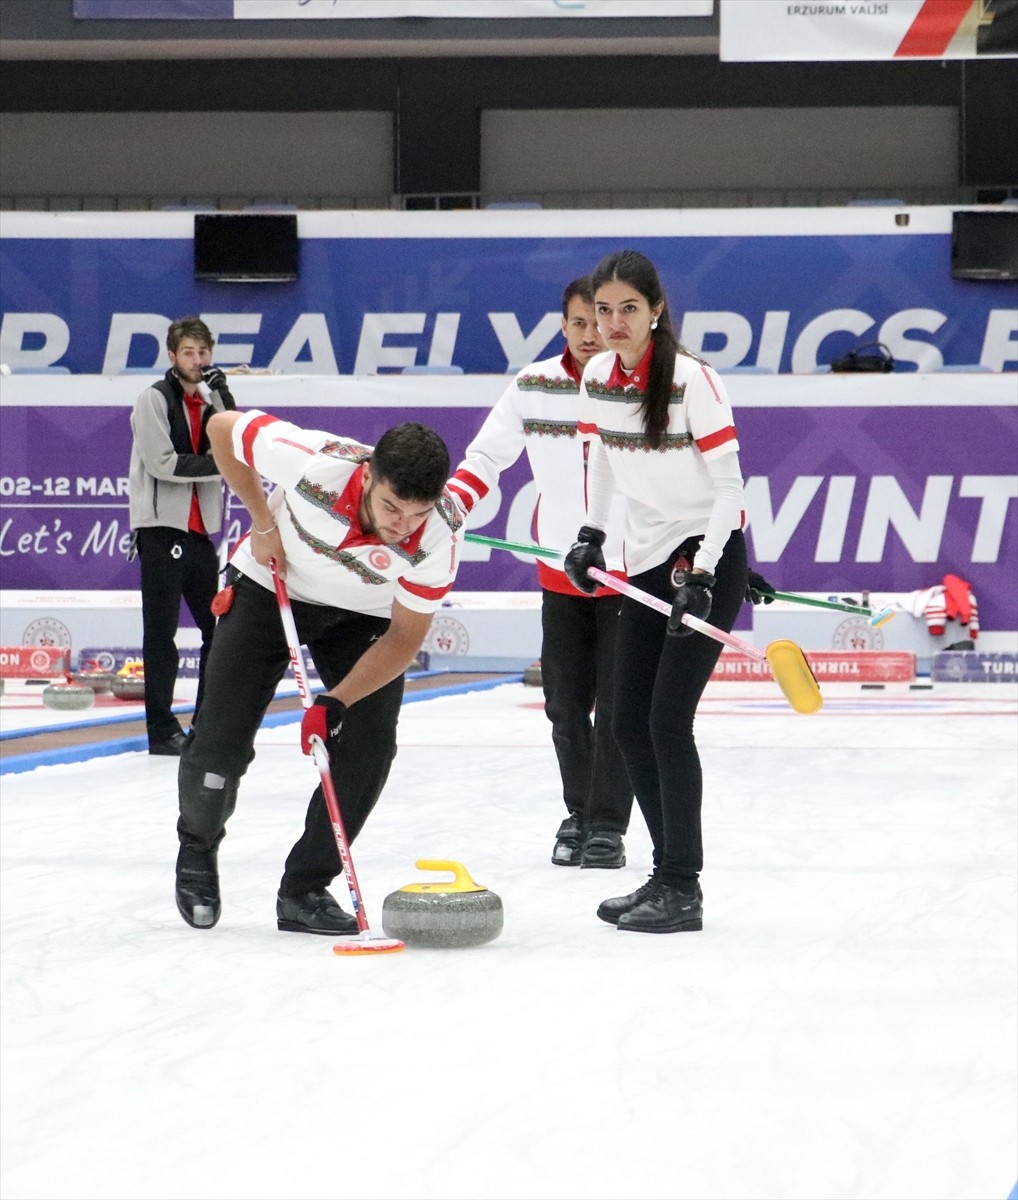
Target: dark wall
{"x": 438, "y": 102}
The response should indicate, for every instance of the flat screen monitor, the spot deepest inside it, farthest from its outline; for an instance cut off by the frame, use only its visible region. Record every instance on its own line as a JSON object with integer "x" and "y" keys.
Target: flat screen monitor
{"x": 246, "y": 247}
{"x": 984, "y": 245}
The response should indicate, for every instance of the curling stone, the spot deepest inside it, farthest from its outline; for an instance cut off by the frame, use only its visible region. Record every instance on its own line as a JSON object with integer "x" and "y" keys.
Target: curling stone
{"x": 450, "y": 914}
{"x": 532, "y": 674}
{"x": 129, "y": 681}
{"x": 68, "y": 696}
{"x": 129, "y": 687}
{"x": 98, "y": 681}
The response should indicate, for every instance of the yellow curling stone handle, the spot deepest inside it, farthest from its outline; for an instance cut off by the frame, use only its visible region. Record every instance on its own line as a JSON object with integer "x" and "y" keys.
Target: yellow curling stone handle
{"x": 461, "y": 883}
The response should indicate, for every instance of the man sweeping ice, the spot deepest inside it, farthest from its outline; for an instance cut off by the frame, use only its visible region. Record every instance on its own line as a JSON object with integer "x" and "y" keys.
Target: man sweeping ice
{"x": 368, "y": 543}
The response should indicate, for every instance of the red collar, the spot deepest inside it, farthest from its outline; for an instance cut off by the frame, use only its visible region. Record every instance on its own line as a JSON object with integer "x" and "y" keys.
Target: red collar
{"x": 349, "y": 505}
{"x": 571, "y": 366}
{"x": 639, "y": 377}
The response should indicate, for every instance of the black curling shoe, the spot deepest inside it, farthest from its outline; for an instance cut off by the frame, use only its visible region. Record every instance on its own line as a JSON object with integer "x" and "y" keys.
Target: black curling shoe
{"x": 605, "y": 849}
{"x": 666, "y": 910}
{"x": 610, "y": 910}
{"x": 172, "y": 746}
{"x": 313, "y": 912}
{"x": 568, "y": 842}
{"x": 198, "y": 900}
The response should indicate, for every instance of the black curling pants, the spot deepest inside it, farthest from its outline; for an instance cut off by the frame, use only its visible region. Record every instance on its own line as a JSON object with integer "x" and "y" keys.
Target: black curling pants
{"x": 174, "y": 565}
{"x": 249, "y": 657}
{"x": 578, "y": 676}
{"x": 658, "y": 684}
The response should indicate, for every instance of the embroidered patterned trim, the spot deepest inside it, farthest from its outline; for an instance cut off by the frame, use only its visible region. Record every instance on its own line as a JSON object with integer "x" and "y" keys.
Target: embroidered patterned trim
{"x": 629, "y": 393}
{"x": 346, "y": 452}
{"x": 317, "y": 495}
{"x": 450, "y": 512}
{"x": 553, "y": 429}
{"x": 546, "y": 383}
{"x": 344, "y": 557}
{"x": 638, "y": 441}
{"x": 695, "y": 357}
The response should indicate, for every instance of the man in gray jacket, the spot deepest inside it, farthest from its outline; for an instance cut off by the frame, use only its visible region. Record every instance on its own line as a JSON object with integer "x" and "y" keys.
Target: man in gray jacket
{"x": 176, "y": 499}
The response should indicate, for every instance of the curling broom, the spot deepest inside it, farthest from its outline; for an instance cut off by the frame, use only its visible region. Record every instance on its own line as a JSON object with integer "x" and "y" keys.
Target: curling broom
{"x": 364, "y": 942}
{"x": 788, "y": 664}
{"x": 877, "y": 617}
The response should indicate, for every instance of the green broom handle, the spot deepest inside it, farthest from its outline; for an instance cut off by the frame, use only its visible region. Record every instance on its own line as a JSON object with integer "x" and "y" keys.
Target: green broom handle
{"x": 524, "y": 548}
{"x": 860, "y": 609}
{"x": 519, "y": 547}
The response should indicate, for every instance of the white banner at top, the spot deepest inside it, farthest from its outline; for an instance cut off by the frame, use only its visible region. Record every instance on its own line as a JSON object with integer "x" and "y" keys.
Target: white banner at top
{"x": 288, "y": 10}
{"x": 847, "y": 30}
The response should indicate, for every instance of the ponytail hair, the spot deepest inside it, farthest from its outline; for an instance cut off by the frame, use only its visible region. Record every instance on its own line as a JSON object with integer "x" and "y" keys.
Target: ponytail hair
{"x": 635, "y": 269}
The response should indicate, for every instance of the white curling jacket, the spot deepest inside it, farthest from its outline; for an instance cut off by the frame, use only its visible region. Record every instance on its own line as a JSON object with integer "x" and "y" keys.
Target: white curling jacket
{"x": 330, "y": 559}
{"x": 538, "y": 412}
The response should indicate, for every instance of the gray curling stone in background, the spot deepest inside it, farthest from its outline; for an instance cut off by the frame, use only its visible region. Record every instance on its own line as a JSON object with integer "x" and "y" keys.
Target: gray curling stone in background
{"x": 456, "y": 913}
{"x": 129, "y": 687}
{"x": 98, "y": 681}
{"x": 68, "y": 696}
{"x": 532, "y": 674}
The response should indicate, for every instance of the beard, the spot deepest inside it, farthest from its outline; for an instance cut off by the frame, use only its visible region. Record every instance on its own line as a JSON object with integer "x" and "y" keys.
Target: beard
{"x": 192, "y": 377}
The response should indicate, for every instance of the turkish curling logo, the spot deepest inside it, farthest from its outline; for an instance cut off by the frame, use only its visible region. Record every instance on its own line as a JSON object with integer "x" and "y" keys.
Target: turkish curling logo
{"x": 857, "y": 634}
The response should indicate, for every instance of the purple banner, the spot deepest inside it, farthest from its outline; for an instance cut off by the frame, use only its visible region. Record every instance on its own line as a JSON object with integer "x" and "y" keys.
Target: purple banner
{"x": 961, "y": 666}
{"x": 840, "y": 499}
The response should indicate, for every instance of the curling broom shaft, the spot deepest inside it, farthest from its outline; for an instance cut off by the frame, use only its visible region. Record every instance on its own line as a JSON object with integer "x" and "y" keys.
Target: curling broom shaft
{"x": 519, "y": 547}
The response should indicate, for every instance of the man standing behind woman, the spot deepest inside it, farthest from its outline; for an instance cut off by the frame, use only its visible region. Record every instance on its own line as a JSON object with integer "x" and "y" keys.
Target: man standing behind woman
{"x": 538, "y": 412}
{"x": 664, "y": 436}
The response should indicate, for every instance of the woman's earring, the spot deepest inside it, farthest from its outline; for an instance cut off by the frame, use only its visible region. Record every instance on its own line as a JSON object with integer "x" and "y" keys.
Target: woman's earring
{"x": 653, "y": 324}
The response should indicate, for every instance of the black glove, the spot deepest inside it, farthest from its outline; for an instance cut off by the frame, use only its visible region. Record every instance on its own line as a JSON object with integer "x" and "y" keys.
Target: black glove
{"x": 583, "y": 553}
{"x": 693, "y": 596}
{"x": 215, "y": 381}
{"x": 758, "y": 590}
{"x": 324, "y": 718}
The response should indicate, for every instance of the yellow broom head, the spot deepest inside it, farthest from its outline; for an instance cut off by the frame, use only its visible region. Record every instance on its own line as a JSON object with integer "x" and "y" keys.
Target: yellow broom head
{"x": 793, "y": 675}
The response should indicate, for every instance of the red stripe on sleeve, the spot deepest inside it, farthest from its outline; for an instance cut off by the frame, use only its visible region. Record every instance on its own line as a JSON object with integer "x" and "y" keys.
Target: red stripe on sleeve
{"x": 466, "y": 498}
{"x": 713, "y": 440}
{"x": 934, "y": 26}
{"x": 585, "y": 427}
{"x": 425, "y": 593}
{"x": 251, "y": 432}
{"x": 470, "y": 480}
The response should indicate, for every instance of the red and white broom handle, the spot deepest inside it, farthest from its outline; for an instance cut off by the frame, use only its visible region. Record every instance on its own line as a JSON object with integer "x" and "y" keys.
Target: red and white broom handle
{"x": 662, "y": 606}
{"x": 320, "y": 752}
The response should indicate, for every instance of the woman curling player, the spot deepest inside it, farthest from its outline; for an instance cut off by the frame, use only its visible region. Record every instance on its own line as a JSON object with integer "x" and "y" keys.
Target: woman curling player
{"x": 662, "y": 434}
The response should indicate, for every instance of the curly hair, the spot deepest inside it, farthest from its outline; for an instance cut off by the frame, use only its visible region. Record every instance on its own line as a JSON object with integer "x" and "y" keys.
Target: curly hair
{"x": 413, "y": 460}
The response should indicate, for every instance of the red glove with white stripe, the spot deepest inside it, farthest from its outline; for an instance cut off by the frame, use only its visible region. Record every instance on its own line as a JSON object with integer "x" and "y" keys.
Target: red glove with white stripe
{"x": 324, "y": 719}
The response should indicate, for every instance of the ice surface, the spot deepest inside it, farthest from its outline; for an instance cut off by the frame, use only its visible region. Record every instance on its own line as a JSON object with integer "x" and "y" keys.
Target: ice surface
{"x": 844, "y": 1026}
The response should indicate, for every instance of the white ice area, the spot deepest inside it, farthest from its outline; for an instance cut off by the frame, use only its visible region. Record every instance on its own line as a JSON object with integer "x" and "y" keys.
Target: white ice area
{"x": 844, "y": 1026}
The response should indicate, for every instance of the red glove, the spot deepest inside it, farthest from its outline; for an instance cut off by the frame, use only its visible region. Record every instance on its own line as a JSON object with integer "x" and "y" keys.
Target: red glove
{"x": 323, "y": 719}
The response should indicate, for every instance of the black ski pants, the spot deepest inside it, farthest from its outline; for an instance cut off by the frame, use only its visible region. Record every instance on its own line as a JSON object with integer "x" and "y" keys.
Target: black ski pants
{"x": 658, "y": 684}
{"x": 175, "y": 565}
{"x": 578, "y": 676}
{"x": 249, "y": 657}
